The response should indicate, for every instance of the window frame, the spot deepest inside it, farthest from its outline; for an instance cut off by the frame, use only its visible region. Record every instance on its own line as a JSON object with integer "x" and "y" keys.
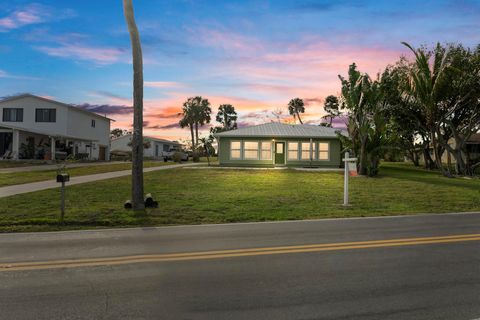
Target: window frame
{"x": 288, "y": 150}
{"x": 239, "y": 149}
{"x": 309, "y": 151}
{"x": 9, "y": 110}
{"x": 50, "y": 112}
{"x": 250, "y": 149}
{"x": 261, "y": 149}
{"x": 319, "y": 151}
{"x": 93, "y": 123}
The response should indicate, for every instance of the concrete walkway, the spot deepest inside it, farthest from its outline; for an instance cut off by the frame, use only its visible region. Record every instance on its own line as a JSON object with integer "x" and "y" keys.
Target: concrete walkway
{"x": 46, "y": 167}
{"x": 50, "y": 184}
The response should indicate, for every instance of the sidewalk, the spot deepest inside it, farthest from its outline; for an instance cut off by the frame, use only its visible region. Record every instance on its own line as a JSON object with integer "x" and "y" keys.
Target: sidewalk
{"x": 50, "y": 184}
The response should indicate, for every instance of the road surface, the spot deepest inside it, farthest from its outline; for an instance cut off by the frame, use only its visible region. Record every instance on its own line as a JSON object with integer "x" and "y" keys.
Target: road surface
{"x": 419, "y": 267}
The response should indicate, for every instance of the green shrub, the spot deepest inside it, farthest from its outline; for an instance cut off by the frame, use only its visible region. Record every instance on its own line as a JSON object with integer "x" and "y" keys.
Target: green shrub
{"x": 177, "y": 157}
{"x": 196, "y": 156}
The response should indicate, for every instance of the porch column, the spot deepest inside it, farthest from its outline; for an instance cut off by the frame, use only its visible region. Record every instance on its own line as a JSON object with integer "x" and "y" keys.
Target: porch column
{"x": 52, "y": 147}
{"x": 73, "y": 148}
{"x": 15, "y": 144}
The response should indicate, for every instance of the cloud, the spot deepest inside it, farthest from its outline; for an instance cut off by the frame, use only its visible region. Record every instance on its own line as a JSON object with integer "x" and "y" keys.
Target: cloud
{"x": 4, "y": 74}
{"x": 106, "y": 108}
{"x": 163, "y": 84}
{"x": 77, "y": 51}
{"x": 312, "y": 101}
{"x": 173, "y": 125}
{"x": 32, "y": 14}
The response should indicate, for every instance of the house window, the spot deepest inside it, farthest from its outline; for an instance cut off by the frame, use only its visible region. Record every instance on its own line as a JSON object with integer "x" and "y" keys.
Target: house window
{"x": 45, "y": 115}
{"x": 93, "y": 123}
{"x": 12, "y": 114}
{"x": 235, "y": 150}
{"x": 293, "y": 151}
{"x": 250, "y": 150}
{"x": 305, "y": 154}
{"x": 323, "y": 150}
{"x": 266, "y": 150}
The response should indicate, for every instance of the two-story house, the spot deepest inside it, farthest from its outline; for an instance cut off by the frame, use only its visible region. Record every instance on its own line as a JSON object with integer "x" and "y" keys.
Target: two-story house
{"x": 33, "y": 127}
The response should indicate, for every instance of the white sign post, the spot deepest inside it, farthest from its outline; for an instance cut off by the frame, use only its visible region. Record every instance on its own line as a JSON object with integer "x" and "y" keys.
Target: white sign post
{"x": 347, "y": 160}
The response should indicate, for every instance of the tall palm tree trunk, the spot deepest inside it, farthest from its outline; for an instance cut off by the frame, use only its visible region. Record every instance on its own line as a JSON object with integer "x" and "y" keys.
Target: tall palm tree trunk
{"x": 196, "y": 134}
{"x": 298, "y": 116}
{"x": 137, "y": 140}
{"x": 193, "y": 137}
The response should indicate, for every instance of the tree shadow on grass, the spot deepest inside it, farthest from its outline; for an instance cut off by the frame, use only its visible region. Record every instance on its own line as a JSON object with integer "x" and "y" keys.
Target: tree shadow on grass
{"x": 430, "y": 177}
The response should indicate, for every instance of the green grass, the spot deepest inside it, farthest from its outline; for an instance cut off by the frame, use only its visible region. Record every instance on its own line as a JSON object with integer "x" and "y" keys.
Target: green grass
{"x": 20, "y": 163}
{"x": 7, "y": 179}
{"x": 194, "y": 196}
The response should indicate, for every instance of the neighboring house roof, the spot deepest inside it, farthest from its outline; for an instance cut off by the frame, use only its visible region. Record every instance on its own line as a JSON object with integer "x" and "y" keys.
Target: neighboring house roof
{"x": 150, "y": 138}
{"x": 49, "y": 134}
{"x": 282, "y": 130}
{"x": 28, "y": 95}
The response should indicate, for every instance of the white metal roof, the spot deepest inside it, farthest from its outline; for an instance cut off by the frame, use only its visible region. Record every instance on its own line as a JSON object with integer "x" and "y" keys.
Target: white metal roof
{"x": 28, "y": 95}
{"x": 276, "y": 129}
{"x": 149, "y": 138}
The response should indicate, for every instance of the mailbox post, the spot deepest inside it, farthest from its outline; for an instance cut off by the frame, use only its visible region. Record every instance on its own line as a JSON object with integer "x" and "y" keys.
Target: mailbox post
{"x": 62, "y": 178}
{"x": 347, "y": 160}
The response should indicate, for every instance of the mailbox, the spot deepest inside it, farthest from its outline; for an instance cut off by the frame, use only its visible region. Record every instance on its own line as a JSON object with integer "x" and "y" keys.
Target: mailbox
{"x": 63, "y": 177}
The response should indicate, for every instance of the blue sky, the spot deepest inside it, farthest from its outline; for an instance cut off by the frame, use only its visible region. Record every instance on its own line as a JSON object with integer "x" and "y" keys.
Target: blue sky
{"x": 256, "y": 55}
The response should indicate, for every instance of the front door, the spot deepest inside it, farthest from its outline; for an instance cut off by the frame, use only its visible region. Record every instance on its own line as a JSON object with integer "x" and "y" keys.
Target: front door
{"x": 279, "y": 153}
{"x": 101, "y": 154}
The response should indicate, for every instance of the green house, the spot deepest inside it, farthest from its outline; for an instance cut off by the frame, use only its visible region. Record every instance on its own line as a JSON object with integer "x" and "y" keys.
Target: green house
{"x": 279, "y": 144}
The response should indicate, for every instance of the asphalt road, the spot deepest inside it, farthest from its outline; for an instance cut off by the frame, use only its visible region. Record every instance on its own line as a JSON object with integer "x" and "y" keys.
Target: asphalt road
{"x": 257, "y": 275}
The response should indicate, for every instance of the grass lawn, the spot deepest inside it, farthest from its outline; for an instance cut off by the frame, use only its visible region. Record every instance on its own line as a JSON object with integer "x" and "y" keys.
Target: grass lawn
{"x": 7, "y": 179}
{"x": 20, "y": 163}
{"x": 193, "y": 196}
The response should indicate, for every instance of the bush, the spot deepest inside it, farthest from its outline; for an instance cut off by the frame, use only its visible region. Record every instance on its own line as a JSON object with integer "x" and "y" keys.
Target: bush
{"x": 177, "y": 157}
{"x": 196, "y": 156}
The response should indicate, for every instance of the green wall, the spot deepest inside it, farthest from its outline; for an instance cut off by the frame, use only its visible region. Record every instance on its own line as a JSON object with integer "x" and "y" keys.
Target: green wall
{"x": 333, "y": 162}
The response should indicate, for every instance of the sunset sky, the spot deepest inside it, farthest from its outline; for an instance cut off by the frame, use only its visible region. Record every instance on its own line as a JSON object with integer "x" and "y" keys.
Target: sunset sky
{"x": 256, "y": 55}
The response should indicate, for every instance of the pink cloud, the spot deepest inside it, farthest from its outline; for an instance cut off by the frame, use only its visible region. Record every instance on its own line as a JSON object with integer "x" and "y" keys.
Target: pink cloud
{"x": 31, "y": 14}
{"x": 223, "y": 39}
{"x": 99, "y": 55}
{"x": 163, "y": 84}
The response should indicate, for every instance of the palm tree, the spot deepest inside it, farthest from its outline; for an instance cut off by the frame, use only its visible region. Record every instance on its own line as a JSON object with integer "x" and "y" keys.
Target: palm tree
{"x": 137, "y": 139}
{"x": 201, "y": 112}
{"x": 227, "y": 116}
{"x": 188, "y": 119}
{"x": 295, "y": 107}
{"x": 425, "y": 87}
{"x": 196, "y": 113}
{"x": 207, "y": 146}
{"x": 331, "y": 107}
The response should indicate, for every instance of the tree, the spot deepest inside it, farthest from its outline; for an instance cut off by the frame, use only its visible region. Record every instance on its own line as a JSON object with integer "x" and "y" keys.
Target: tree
{"x": 207, "y": 146}
{"x": 117, "y": 133}
{"x": 295, "y": 107}
{"x": 188, "y": 119}
{"x": 364, "y": 102}
{"x": 426, "y": 87}
{"x": 137, "y": 139}
{"x": 331, "y": 107}
{"x": 227, "y": 116}
{"x": 196, "y": 113}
